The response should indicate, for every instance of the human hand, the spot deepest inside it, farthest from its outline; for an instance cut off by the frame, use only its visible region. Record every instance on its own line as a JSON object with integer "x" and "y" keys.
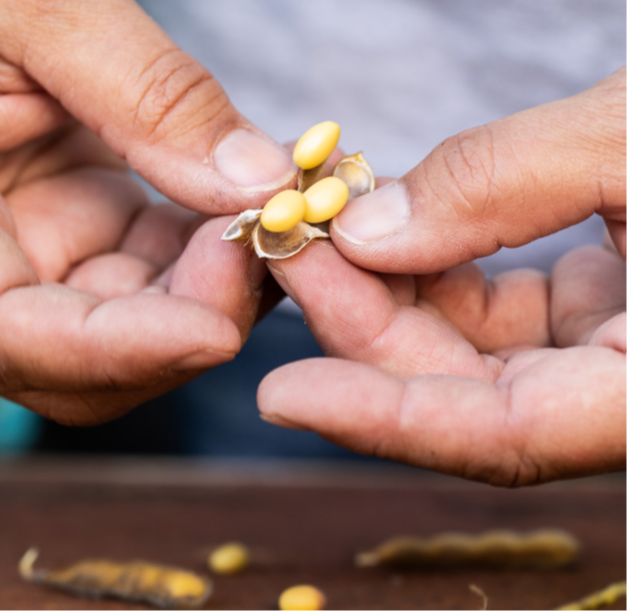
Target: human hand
{"x": 513, "y": 381}
{"x": 112, "y": 68}
{"x": 105, "y": 301}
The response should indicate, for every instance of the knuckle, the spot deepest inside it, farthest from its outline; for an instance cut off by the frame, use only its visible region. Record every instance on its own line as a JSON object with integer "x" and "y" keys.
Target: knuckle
{"x": 465, "y": 168}
{"x": 608, "y": 114}
{"x": 173, "y": 95}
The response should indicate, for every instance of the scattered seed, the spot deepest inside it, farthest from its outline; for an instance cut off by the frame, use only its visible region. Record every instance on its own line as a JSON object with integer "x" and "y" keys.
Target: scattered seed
{"x": 229, "y": 559}
{"x": 303, "y": 597}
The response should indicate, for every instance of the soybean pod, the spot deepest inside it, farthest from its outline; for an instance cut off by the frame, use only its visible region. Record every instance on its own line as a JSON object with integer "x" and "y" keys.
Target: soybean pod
{"x": 291, "y": 219}
{"x": 541, "y": 549}
{"x": 161, "y": 586}
{"x": 606, "y": 596}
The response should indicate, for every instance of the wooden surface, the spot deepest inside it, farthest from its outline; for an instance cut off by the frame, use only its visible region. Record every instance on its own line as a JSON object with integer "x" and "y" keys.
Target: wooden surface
{"x": 304, "y": 523}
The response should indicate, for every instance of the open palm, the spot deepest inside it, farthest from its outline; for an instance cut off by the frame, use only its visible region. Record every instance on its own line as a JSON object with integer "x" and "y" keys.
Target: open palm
{"x": 105, "y": 301}
{"x": 514, "y": 381}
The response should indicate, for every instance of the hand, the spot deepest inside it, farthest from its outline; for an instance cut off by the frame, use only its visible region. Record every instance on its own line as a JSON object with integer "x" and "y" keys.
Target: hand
{"x": 502, "y": 184}
{"x": 105, "y": 301}
{"x": 513, "y": 381}
{"x": 111, "y": 67}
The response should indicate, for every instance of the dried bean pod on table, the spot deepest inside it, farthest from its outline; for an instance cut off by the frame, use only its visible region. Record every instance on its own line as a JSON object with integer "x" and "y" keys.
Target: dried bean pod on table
{"x": 541, "y": 549}
{"x": 162, "y": 586}
{"x": 598, "y": 600}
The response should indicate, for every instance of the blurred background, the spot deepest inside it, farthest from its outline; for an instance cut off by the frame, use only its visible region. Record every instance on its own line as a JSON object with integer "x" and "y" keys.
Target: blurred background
{"x": 399, "y": 76}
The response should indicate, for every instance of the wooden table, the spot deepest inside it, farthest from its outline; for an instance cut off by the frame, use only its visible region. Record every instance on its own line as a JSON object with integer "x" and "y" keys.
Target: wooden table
{"x": 304, "y": 522}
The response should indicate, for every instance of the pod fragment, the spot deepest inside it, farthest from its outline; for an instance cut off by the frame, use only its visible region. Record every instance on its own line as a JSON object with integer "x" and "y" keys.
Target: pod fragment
{"x": 161, "y": 586}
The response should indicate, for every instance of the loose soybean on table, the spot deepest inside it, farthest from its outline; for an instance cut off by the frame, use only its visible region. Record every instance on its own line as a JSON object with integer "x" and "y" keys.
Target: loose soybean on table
{"x": 303, "y": 522}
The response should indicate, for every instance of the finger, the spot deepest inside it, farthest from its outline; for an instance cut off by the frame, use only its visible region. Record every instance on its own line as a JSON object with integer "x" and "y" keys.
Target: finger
{"x": 150, "y": 102}
{"x": 65, "y": 219}
{"x": 617, "y": 233}
{"x": 506, "y": 311}
{"x": 561, "y": 415}
{"x": 353, "y": 314}
{"x": 159, "y": 234}
{"x": 111, "y": 275}
{"x": 221, "y": 274}
{"x": 25, "y": 116}
{"x": 504, "y": 184}
{"x": 94, "y": 407}
{"x": 15, "y": 80}
{"x": 56, "y": 338}
{"x": 69, "y": 147}
{"x": 587, "y": 289}
{"x": 16, "y": 270}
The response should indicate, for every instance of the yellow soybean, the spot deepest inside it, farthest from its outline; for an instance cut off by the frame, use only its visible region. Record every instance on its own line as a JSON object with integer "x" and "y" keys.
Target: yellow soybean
{"x": 229, "y": 558}
{"x": 325, "y": 199}
{"x": 316, "y": 144}
{"x": 284, "y": 211}
{"x": 302, "y": 597}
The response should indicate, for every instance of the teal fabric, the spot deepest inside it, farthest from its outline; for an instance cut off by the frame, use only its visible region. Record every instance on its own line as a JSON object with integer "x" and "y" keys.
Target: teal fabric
{"x": 19, "y": 428}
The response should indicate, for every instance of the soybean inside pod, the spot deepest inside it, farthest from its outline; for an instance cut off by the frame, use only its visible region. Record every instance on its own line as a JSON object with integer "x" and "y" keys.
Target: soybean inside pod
{"x": 162, "y": 586}
{"x": 293, "y": 218}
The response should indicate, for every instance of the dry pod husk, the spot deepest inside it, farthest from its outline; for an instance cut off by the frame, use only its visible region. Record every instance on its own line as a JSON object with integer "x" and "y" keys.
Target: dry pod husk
{"x": 481, "y": 594}
{"x": 161, "y": 586}
{"x": 603, "y": 598}
{"x": 541, "y": 549}
{"x": 353, "y": 170}
{"x": 356, "y": 173}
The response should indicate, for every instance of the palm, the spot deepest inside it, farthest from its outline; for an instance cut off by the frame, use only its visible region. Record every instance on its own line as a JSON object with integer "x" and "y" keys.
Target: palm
{"x": 102, "y": 295}
{"x": 514, "y": 381}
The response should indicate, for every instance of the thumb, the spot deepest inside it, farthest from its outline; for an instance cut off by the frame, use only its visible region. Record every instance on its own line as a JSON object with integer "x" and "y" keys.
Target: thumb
{"x": 506, "y": 183}
{"x": 115, "y": 70}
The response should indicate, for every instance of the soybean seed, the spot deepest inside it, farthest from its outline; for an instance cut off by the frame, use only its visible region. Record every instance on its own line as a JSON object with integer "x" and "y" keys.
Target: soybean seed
{"x": 229, "y": 558}
{"x": 316, "y": 144}
{"x": 304, "y": 597}
{"x": 325, "y": 199}
{"x": 284, "y": 211}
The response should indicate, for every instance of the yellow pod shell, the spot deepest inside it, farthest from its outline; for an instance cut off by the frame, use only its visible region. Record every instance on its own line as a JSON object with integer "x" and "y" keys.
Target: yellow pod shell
{"x": 325, "y": 199}
{"x": 284, "y": 211}
{"x": 229, "y": 558}
{"x": 302, "y": 597}
{"x": 316, "y": 144}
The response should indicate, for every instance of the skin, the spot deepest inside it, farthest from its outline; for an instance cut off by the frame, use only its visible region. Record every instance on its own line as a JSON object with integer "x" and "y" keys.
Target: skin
{"x": 106, "y": 302}
{"x": 516, "y": 380}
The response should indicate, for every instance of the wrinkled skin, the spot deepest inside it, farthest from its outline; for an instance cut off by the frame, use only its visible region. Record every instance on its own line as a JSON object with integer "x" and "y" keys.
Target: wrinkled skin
{"x": 514, "y": 381}
{"x": 105, "y": 302}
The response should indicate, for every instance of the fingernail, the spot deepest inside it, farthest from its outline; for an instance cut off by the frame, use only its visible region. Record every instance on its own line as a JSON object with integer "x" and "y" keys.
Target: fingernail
{"x": 201, "y": 360}
{"x": 252, "y": 162}
{"x": 284, "y": 284}
{"x": 374, "y": 216}
{"x": 280, "y": 421}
